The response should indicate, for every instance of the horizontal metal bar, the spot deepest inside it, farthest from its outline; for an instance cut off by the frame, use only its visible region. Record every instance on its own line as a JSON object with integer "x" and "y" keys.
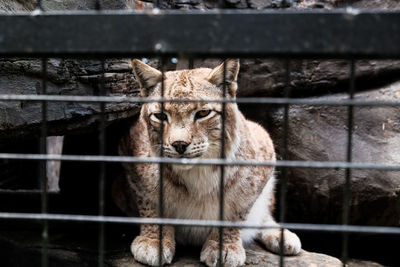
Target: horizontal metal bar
{"x": 249, "y": 100}
{"x": 186, "y": 161}
{"x": 220, "y": 33}
{"x": 201, "y": 223}
{"x": 24, "y": 192}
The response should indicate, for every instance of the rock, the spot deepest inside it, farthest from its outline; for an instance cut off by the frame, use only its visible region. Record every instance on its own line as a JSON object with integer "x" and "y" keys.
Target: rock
{"x": 361, "y": 263}
{"x": 83, "y": 4}
{"x": 65, "y": 77}
{"x": 307, "y": 78}
{"x": 320, "y": 134}
{"x": 305, "y": 4}
{"x": 14, "y": 6}
{"x": 361, "y": 4}
{"x": 262, "y": 4}
{"x": 310, "y": 77}
{"x": 255, "y": 256}
{"x": 28, "y": 5}
{"x": 369, "y": 4}
{"x": 267, "y": 77}
{"x": 71, "y": 249}
{"x": 293, "y": 4}
{"x": 76, "y": 245}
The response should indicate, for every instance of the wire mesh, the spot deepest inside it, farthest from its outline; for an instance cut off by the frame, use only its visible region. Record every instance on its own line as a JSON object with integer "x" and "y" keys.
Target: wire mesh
{"x": 102, "y": 178}
{"x": 346, "y": 189}
{"x": 161, "y": 168}
{"x": 239, "y": 100}
{"x": 202, "y": 223}
{"x": 283, "y": 187}
{"x": 222, "y": 168}
{"x": 227, "y": 162}
{"x": 102, "y": 148}
{"x": 221, "y": 224}
{"x": 43, "y": 164}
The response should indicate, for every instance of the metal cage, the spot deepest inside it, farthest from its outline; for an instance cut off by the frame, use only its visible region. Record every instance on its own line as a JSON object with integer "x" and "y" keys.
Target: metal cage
{"x": 339, "y": 34}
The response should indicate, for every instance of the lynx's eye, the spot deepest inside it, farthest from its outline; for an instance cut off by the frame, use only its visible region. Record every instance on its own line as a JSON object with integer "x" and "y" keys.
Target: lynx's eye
{"x": 160, "y": 116}
{"x": 202, "y": 114}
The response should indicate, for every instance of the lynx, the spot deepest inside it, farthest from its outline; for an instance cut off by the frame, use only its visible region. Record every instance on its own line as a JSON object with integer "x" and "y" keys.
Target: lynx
{"x": 194, "y": 130}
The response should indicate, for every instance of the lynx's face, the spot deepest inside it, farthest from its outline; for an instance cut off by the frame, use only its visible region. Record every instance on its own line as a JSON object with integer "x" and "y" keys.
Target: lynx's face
{"x": 190, "y": 129}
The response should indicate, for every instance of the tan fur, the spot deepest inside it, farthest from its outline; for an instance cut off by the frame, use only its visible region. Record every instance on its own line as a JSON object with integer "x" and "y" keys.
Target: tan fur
{"x": 192, "y": 192}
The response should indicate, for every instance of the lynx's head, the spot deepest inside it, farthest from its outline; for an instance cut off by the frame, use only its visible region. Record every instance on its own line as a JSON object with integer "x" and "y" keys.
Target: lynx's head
{"x": 190, "y": 129}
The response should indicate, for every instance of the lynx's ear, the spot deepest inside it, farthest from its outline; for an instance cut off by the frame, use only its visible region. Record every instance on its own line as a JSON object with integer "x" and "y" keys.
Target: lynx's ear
{"x": 147, "y": 76}
{"x": 232, "y": 69}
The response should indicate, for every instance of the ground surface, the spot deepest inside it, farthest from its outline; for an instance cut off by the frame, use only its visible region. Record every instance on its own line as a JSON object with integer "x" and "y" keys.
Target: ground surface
{"x": 79, "y": 247}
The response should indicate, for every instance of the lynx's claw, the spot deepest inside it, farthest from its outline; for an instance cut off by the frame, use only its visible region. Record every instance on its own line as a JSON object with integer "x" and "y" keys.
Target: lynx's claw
{"x": 272, "y": 240}
{"x": 146, "y": 250}
{"x": 233, "y": 254}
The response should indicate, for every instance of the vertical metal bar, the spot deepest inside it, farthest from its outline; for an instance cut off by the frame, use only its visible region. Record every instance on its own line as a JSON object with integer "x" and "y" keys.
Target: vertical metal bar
{"x": 346, "y": 189}
{"x": 284, "y": 151}
{"x": 43, "y": 150}
{"x": 43, "y": 164}
{"x": 102, "y": 148}
{"x": 161, "y": 186}
{"x": 102, "y": 152}
{"x": 97, "y": 5}
{"x": 39, "y": 5}
{"x": 157, "y": 3}
{"x": 191, "y": 63}
{"x": 222, "y": 179}
{"x": 221, "y": 4}
{"x": 286, "y": 3}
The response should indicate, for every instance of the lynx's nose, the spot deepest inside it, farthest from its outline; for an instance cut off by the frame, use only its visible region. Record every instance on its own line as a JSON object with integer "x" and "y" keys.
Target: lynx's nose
{"x": 180, "y": 146}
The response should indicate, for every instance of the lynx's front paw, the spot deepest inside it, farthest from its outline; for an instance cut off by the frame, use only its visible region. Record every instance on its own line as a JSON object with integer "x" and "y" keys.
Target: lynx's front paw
{"x": 146, "y": 250}
{"x": 272, "y": 240}
{"x": 233, "y": 254}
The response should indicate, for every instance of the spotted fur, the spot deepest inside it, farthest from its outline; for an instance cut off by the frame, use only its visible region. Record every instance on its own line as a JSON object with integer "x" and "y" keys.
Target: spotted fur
{"x": 192, "y": 192}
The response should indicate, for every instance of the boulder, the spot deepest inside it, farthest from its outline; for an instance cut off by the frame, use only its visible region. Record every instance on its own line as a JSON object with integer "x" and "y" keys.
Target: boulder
{"x": 255, "y": 256}
{"x": 368, "y": 4}
{"x": 65, "y": 77}
{"x": 319, "y": 133}
{"x": 263, "y": 77}
{"x": 70, "y": 249}
{"x": 15, "y": 6}
{"x": 83, "y": 4}
{"x": 291, "y": 4}
{"x": 360, "y": 263}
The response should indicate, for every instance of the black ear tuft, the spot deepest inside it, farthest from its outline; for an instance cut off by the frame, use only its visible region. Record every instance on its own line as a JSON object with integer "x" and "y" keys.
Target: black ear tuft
{"x": 147, "y": 76}
{"x": 232, "y": 69}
